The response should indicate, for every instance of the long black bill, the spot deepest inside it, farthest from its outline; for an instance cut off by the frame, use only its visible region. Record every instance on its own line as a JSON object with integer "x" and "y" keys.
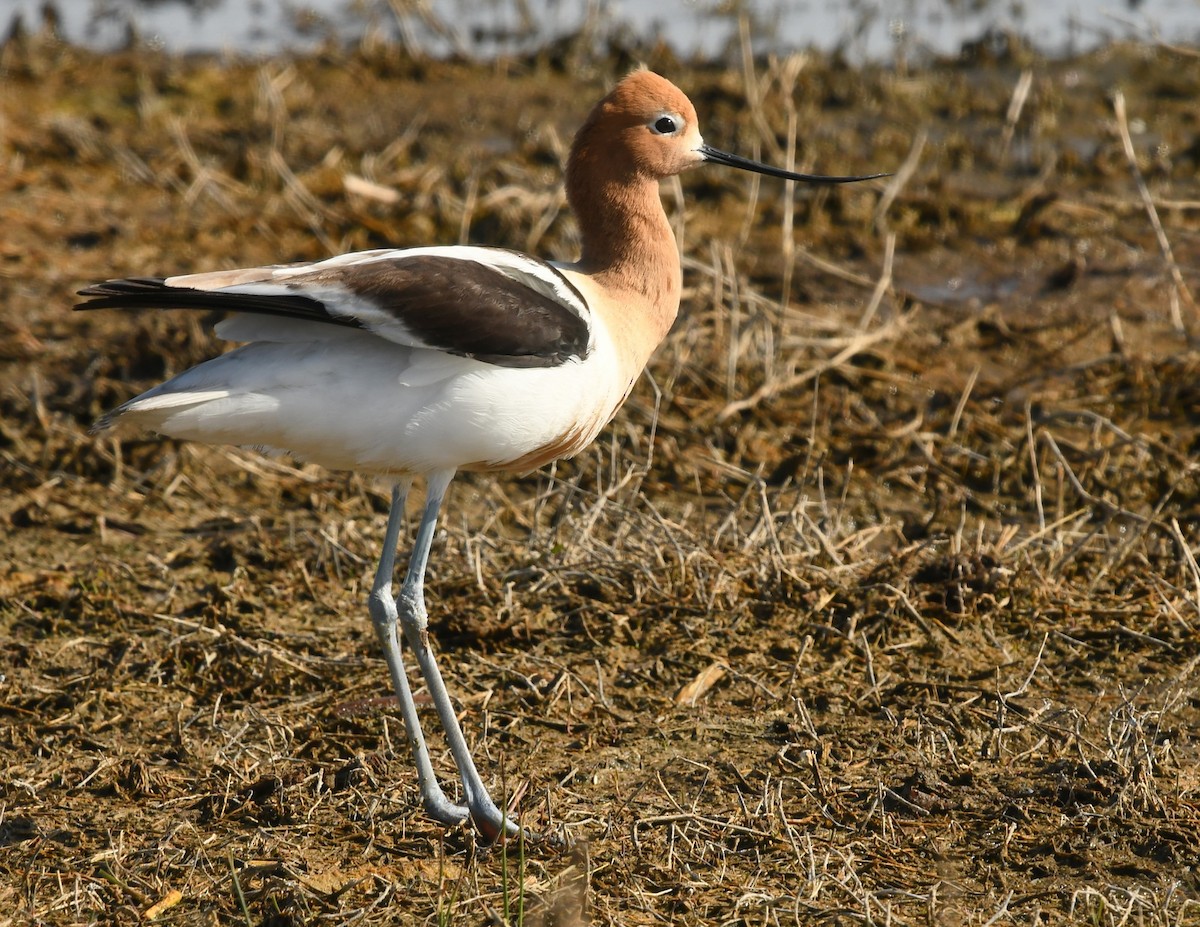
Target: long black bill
{"x": 732, "y": 160}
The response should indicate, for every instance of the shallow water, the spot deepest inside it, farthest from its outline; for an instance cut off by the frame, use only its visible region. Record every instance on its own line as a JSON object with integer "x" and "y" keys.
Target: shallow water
{"x": 863, "y": 30}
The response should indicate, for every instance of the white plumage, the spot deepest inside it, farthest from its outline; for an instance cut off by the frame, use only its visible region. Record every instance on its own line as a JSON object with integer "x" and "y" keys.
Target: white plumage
{"x": 426, "y": 361}
{"x": 363, "y": 399}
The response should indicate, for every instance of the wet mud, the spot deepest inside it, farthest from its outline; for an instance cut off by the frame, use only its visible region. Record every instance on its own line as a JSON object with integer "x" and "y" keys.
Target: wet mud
{"x": 878, "y": 602}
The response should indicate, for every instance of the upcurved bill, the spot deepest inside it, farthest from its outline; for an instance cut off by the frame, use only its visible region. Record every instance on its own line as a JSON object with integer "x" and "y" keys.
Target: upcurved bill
{"x": 731, "y": 160}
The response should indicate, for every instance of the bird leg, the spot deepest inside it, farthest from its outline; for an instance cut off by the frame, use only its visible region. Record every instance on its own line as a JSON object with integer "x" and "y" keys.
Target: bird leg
{"x": 383, "y": 614}
{"x": 414, "y": 619}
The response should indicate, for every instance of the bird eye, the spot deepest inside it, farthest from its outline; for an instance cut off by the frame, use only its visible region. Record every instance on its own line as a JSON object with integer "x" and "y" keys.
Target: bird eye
{"x": 665, "y": 125}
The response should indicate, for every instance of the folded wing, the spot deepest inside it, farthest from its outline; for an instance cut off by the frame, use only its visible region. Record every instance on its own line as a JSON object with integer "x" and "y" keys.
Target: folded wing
{"x": 494, "y": 305}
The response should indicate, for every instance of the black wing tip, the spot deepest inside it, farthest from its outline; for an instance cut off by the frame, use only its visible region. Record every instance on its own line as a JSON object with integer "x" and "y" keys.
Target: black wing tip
{"x": 157, "y": 293}
{"x": 112, "y": 294}
{"x": 122, "y": 285}
{"x": 104, "y": 422}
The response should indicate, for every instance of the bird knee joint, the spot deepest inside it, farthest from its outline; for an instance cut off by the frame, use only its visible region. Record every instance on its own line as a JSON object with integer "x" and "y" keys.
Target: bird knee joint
{"x": 381, "y": 607}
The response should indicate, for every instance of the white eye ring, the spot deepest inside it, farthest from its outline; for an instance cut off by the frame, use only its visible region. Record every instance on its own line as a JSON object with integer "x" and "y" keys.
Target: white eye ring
{"x": 667, "y": 124}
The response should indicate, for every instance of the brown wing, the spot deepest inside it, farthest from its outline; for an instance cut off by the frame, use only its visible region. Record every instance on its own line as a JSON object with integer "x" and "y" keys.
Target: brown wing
{"x": 494, "y": 305}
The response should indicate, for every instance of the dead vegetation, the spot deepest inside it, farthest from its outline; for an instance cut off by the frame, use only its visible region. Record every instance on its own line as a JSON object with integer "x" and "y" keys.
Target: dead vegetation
{"x": 877, "y": 604}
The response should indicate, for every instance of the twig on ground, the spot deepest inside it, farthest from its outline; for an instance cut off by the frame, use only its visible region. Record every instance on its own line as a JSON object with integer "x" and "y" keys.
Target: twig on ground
{"x": 1180, "y": 290}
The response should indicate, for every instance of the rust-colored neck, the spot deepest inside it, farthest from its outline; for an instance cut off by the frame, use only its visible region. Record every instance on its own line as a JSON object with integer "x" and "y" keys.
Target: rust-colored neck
{"x": 628, "y": 245}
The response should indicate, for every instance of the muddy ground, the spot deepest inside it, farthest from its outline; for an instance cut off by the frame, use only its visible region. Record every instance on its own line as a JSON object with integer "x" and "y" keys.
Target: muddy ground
{"x": 877, "y": 604}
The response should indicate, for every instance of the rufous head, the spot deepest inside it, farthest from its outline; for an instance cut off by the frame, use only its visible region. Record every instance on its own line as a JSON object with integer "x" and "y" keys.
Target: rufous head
{"x": 647, "y": 128}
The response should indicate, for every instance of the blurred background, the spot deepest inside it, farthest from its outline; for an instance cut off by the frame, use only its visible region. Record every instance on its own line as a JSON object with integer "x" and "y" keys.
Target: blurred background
{"x": 877, "y": 603}
{"x": 859, "y": 29}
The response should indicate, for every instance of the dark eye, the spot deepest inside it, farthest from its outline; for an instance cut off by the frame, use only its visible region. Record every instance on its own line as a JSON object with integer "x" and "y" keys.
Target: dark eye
{"x": 665, "y": 125}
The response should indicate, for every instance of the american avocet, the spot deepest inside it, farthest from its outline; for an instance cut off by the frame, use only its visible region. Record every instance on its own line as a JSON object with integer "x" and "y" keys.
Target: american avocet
{"x": 426, "y": 361}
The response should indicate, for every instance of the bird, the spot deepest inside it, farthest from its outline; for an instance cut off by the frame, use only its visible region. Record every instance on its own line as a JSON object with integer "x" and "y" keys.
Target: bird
{"x": 421, "y": 362}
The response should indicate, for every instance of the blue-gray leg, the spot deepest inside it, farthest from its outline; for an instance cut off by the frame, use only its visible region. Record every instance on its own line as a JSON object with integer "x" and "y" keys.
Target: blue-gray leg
{"x": 383, "y": 615}
{"x": 414, "y": 620}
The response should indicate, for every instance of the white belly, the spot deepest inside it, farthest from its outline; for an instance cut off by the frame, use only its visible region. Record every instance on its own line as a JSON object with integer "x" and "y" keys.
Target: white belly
{"x": 357, "y": 402}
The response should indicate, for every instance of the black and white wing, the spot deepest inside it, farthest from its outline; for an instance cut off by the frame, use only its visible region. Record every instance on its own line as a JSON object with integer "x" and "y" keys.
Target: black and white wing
{"x": 491, "y": 304}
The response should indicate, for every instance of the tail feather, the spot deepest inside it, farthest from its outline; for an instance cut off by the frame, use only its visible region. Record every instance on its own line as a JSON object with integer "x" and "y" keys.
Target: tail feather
{"x": 157, "y": 402}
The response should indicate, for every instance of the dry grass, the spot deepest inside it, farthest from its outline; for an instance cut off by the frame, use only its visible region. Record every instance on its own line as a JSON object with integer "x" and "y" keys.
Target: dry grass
{"x": 878, "y": 604}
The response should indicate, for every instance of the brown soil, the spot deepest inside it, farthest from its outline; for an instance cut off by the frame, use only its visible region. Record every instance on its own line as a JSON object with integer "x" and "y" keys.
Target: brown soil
{"x": 877, "y": 603}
